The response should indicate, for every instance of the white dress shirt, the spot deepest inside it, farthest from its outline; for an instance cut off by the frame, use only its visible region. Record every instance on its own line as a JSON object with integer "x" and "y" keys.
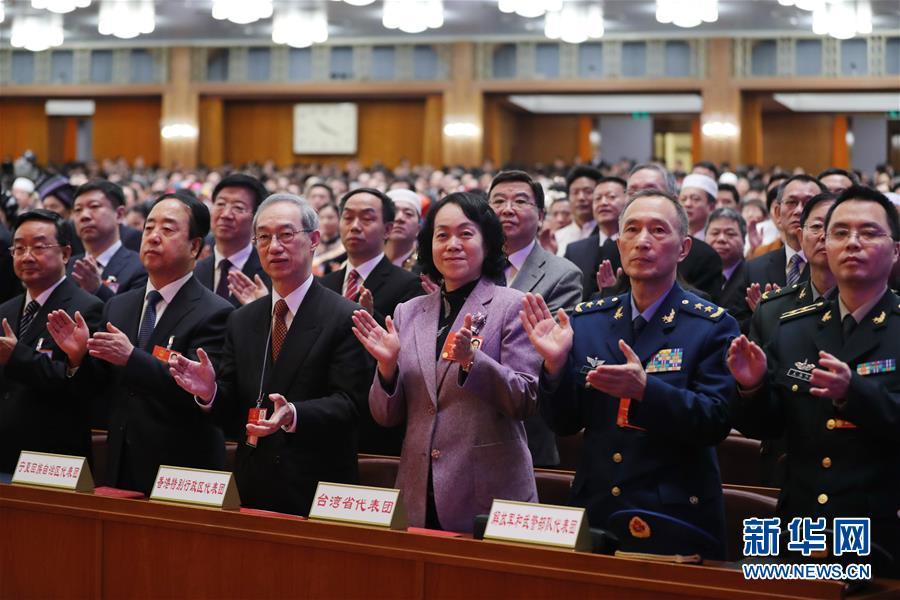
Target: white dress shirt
{"x": 238, "y": 260}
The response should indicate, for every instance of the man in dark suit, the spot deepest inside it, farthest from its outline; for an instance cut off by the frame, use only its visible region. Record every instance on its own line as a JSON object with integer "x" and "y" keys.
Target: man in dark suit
{"x": 235, "y": 200}
{"x": 643, "y": 374}
{"x": 107, "y": 267}
{"x": 518, "y": 202}
{"x": 152, "y": 421}
{"x": 786, "y": 265}
{"x": 294, "y": 355}
{"x": 40, "y": 408}
{"x": 725, "y": 233}
{"x": 370, "y": 279}
{"x": 829, "y": 382}
{"x": 588, "y": 254}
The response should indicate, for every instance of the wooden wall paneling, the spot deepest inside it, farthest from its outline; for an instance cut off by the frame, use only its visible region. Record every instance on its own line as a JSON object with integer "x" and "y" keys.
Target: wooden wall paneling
{"x": 499, "y": 130}
{"x": 432, "y": 131}
{"x": 180, "y": 103}
{"x": 840, "y": 152}
{"x": 797, "y": 139}
{"x": 751, "y": 129}
{"x": 464, "y": 103}
{"x": 721, "y": 102}
{"x": 211, "y": 143}
{"x": 390, "y": 131}
{"x": 585, "y": 125}
{"x": 127, "y": 127}
{"x": 544, "y": 138}
{"x": 23, "y": 126}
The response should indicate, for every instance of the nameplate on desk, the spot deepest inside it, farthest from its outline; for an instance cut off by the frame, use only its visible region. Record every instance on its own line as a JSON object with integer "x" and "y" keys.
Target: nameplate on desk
{"x": 53, "y": 470}
{"x": 543, "y": 524}
{"x": 196, "y": 486}
{"x": 359, "y": 504}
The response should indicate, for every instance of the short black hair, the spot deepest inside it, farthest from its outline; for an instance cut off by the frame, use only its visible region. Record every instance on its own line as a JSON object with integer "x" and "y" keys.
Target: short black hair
{"x": 514, "y": 175}
{"x": 331, "y": 205}
{"x": 247, "y": 182}
{"x": 387, "y": 205}
{"x": 854, "y": 180}
{"x": 47, "y": 216}
{"x": 772, "y": 190}
{"x": 405, "y": 181}
{"x": 730, "y": 214}
{"x": 325, "y": 187}
{"x": 708, "y": 165}
{"x": 582, "y": 171}
{"x": 479, "y": 212}
{"x": 800, "y": 177}
{"x": 812, "y": 202}
{"x": 867, "y": 194}
{"x": 198, "y": 214}
{"x": 727, "y": 187}
{"x": 111, "y": 191}
{"x": 613, "y": 179}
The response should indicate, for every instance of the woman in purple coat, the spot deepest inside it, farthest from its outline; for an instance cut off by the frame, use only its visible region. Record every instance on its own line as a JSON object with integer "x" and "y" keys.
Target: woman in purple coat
{"x": 457, "y": 366}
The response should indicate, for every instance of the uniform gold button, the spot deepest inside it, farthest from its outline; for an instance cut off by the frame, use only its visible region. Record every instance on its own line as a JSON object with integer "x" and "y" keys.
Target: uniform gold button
{"x": 830, "y": 424}
{"x": 617, "y": 458}
{"x": 823, "y": 498}
{"x": 694, "y": 500}
{"x": 826, "y": 462}
{"x": 795, "y": 387}
{"x": 615, "y": 491}
{"x": 435, "y": 453}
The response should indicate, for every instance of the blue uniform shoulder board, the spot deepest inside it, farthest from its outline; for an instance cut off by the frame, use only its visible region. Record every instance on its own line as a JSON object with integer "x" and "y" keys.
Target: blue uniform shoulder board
{"x": 595, "y": 305}
{"x": 701, "y": 308}
{"x": 785, "y": 291}
{"x": 812, "y": 308}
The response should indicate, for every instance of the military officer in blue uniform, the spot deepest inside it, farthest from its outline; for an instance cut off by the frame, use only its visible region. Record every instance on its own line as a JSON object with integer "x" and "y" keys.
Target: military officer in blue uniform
{"x": 829, "y": 380}
{"x": 644, "y": 374}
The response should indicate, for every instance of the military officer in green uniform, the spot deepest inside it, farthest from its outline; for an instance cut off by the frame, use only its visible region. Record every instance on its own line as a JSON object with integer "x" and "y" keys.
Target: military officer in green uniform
{"x": 644, "y": 374}
{"x": 829, "y": 380}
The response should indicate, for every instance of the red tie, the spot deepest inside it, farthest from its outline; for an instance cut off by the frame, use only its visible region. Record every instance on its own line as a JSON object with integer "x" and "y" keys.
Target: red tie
{"x": 351, "y": 291}
{"x": 279, "y": 328}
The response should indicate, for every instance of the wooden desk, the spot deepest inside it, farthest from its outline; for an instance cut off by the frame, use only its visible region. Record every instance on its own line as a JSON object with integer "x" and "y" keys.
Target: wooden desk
{"x": 56, "y": 544}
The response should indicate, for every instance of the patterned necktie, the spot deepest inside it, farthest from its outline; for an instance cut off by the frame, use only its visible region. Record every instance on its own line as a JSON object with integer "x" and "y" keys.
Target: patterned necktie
{"x": 28, "y": 316}
{"x": 279, "y": 328}
{"x": 638, "y": 325}
{"x": 149, "y": 320}
{"x": 796, "y": 265}
{"x": 222, "y": 288}
{"x": 351, "y": 290}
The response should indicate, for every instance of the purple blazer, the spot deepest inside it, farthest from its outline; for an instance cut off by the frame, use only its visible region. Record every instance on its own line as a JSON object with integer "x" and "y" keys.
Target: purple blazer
{"x": 472, "y": 435}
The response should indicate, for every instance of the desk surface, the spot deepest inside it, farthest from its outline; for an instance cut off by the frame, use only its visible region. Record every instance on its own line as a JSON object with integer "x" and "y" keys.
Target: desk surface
{"x": 64, "y": 544}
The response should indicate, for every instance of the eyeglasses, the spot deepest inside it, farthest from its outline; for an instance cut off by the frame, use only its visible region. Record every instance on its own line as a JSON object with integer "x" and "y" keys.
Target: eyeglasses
{"x": 263, "y": 240}
{"x": 815, "y": 228}
{"x": 516, "y": 203}
{"x": 842, "y": 235}
{"x": 38, "y": 250}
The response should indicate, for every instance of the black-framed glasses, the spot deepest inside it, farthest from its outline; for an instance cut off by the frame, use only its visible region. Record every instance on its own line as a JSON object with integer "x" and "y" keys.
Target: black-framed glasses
{"x": 263, "y": 240}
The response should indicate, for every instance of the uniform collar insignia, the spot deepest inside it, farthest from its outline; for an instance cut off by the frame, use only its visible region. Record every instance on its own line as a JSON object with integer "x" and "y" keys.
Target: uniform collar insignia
{"x": 879, "y": 319}
{"x": 618, "y": 314}
{"x": 667, "y": 319}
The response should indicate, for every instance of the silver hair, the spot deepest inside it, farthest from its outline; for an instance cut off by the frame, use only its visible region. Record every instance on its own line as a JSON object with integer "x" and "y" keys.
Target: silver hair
{"x": 679, "y": 209}
{"x": 308, "y": 218}
{"x": 671, "y": 186}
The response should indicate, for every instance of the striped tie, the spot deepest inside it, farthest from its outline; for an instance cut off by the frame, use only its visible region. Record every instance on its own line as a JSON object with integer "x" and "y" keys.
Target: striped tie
{"x": 351, "y": 290}
{"x": 28, "y": 316}
{"x": 148, "y": 323}
{"x": 793, "y": 275}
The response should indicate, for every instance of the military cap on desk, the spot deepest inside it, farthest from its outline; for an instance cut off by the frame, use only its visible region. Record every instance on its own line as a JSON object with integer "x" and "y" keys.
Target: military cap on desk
{"x": 648, "y": 532}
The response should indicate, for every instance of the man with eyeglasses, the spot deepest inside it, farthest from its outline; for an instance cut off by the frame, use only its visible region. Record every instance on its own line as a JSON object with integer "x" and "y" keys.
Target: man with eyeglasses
{"x": 234, "y": 271}
{"x": 829, "y": 381}
{"x": 292, "y": 354}
{"x": 518, "y": 202}
{"x": 40, "y": 408}
{"x": 152, "y": 422}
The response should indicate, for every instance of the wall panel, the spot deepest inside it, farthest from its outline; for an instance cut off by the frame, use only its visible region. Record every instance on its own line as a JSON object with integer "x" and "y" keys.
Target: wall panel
{"x": 792, "y": 139}
{"x": 23, "y": 126}
{"x": 127, "y": 127}
{"x": 544, "y": 138}
{"x": 389, "y": 131}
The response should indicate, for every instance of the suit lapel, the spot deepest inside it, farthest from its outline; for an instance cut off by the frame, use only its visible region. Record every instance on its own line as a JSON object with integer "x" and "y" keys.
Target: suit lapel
{"x": 114, "y": 265}
{"x": 775, "y": 270}
{"x": 656, "y": 333}
{"x": 182, "y": 304}
{"x": 477, "y": 302}
{"x": 378, "y": 276}
{"x": 621, "y": 328}
{"x": 252, "y": 266}
{"x": 59, "y": 298}
{"x": 868, "y": 333}
{"x": 829, "y": 337}
{"x": 300, "y": 338}
{"x": 532, "y": 270}
{"x": 425, "y": 335}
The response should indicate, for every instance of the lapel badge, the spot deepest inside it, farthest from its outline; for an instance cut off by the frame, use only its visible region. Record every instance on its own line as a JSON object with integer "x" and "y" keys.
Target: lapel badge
{"x": 667, "y": 359}
{"x": 112, "y": 283}
{"x": 667, "y": 319}
{"x": 638, "y": 528}
{"x": 618, "y": 314}
{"x": 802, "y": 371}
{"x": 826, "y": 317}
{"x": 879, "y": 319}
{"x": 592, "y": 363}
{"x": 877, "y": 366}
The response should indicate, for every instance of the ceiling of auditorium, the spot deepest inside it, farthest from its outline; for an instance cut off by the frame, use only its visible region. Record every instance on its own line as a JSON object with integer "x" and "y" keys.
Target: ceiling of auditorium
{"x": 190, "y": 22}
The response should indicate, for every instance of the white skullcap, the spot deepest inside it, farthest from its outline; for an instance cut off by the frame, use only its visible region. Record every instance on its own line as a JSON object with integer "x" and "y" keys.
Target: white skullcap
{"x": 409, "y": 197}
{"x": 702, "y": 182}
{"x": 23, "y": 184}
{"x": 728, "y": 177}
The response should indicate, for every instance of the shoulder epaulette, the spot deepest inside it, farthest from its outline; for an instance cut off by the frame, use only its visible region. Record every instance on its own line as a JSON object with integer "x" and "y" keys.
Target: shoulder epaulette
{"x": 595, "y": 305}
{"x": 702, "y": 309}
{"x": 812, "y": 308}
{"x": 780, "y": 292}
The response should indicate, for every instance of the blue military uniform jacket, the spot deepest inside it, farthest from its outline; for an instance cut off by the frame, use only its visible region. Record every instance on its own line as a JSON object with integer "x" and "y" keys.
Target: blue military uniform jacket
{"x": 664, "y": 458}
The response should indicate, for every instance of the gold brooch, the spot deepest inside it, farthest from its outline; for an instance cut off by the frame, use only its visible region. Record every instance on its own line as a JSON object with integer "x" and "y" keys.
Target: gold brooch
{"x": 618, "y": 314}
{"x": 669, "y": 317}
{"x": 879, "y": 319}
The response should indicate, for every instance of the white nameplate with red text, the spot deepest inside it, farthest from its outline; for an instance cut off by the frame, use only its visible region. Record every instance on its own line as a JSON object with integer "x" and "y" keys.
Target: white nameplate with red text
{"x": 53, "y": 470}
{"x": 543, "y": 524}
{"x": 358, "y": 504}
{"x": 196, "y": 486}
